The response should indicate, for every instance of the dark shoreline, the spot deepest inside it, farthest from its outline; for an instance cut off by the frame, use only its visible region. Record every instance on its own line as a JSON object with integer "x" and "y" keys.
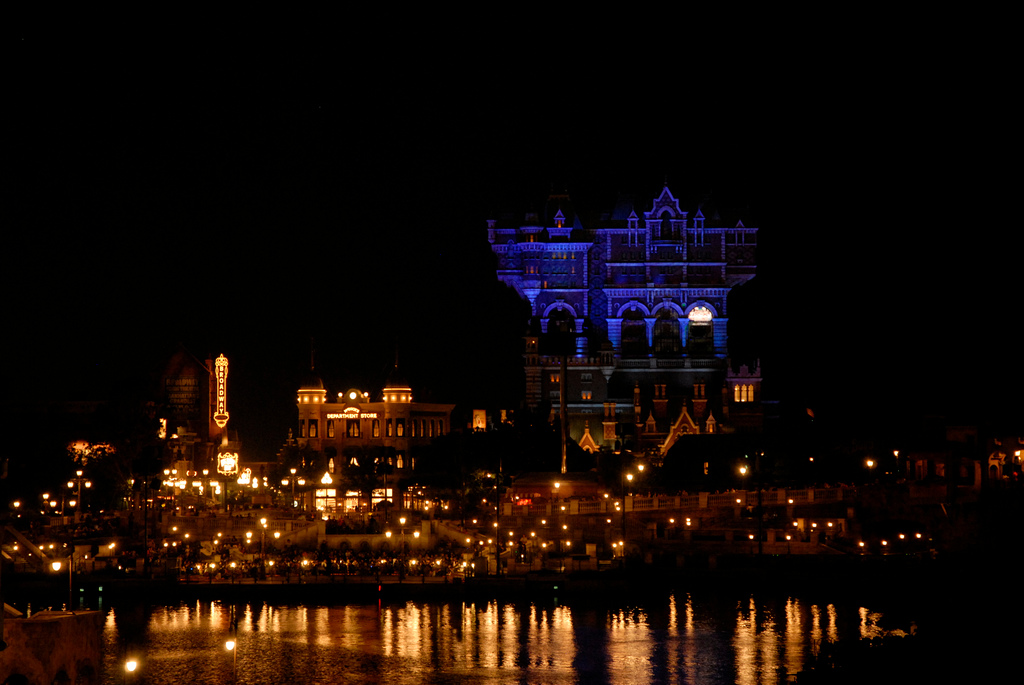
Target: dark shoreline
{"x": 868, "y": 575}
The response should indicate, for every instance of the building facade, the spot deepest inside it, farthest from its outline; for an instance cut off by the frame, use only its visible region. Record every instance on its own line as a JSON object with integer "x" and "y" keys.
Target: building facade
{"x": 630, "y": 319}
{"x": 394, "y": 422}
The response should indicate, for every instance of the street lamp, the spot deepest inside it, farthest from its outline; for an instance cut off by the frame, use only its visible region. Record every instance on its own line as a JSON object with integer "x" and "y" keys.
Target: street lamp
{"x": 401, "y": 556}
{"x": 629, "y": 477}
{"x": 129, "y": 668}
{"x": 76, "y": 485}
{"x": 56, "y": 566}
{"x": 230, "y": 646}
{"x": 263, "y": 554}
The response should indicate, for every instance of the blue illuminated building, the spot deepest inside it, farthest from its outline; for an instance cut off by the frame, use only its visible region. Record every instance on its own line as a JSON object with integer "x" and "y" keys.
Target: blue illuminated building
{"x": 636, "y": 301}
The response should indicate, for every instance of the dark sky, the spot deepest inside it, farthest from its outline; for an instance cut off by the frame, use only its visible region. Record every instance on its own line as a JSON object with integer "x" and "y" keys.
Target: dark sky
{"x": 249, "y": 207}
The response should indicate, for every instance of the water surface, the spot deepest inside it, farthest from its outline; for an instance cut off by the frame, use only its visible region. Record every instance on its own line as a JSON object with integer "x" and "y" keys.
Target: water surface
{"x": 680, "y": 637}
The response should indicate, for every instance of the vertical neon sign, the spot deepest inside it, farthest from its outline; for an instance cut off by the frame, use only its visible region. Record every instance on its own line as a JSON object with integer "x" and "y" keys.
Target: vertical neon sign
{"x": 220, "y": 416}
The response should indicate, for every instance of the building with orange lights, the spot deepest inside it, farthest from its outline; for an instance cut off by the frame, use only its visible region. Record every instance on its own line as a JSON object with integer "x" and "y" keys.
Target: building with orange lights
{"x": 392, "y": 420}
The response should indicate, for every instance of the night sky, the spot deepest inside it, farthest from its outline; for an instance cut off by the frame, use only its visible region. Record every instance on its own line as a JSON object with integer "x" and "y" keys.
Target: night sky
{"x": 247, "y": 210}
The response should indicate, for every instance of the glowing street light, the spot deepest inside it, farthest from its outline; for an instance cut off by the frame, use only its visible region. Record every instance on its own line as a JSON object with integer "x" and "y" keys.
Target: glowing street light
{"x": 230, "y": 646}
{"x": 129, "y": 668}
{"x": 56, "y": 566}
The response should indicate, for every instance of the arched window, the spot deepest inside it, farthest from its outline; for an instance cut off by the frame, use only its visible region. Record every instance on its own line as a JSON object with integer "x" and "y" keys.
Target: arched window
{"x": 666, "y": 333}
{"x": 561, "y": 335}
{"x": 701, "y": 336}
{"x": 634, "y": 334}
{"x": 666, "y": 226}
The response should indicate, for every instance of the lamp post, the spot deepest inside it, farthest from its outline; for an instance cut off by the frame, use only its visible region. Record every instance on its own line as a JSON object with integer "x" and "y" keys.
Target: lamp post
{"x": 129, "y": 668}
{"x": 757, "y": 484}
{"x": 230, "y": 646}
{"x": 76, "y": 485}
{"x": 263, "y": 554}
{"x": 622, "y": 543}
{"x": 293, "y": 487}
{"x": 401, "y": 557}
{"x": 56, "y": 566}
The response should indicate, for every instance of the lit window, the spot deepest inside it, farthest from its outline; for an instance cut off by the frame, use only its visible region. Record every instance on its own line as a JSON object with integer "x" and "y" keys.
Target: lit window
{"x": 352, "y": 428}
{"x": 389, "y": 427}
{"x": 330, "y": 428}
{"x": 312, "y": 428}
{"x": 376, "y": 428}
{"x": 587, "y": 394}
{"x": 400, "y": 427}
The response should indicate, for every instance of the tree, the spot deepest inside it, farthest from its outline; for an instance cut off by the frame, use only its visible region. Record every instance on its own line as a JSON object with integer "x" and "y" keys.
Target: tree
{"x": 365, "y": 468}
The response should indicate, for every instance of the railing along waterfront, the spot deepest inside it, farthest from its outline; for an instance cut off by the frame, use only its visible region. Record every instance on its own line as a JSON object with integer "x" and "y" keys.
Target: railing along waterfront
{"x": 208, "y": 526}
{"x": 701, "y": 500}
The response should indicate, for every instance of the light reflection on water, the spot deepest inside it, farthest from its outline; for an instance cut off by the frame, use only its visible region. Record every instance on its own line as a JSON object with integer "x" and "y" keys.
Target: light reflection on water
{"x": 679, "y": 638}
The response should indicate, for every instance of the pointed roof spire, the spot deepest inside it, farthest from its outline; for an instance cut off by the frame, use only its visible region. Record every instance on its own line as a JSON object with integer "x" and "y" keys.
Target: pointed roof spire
{"x": 310, "y": 380}
{"x": 396, "y": 382}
